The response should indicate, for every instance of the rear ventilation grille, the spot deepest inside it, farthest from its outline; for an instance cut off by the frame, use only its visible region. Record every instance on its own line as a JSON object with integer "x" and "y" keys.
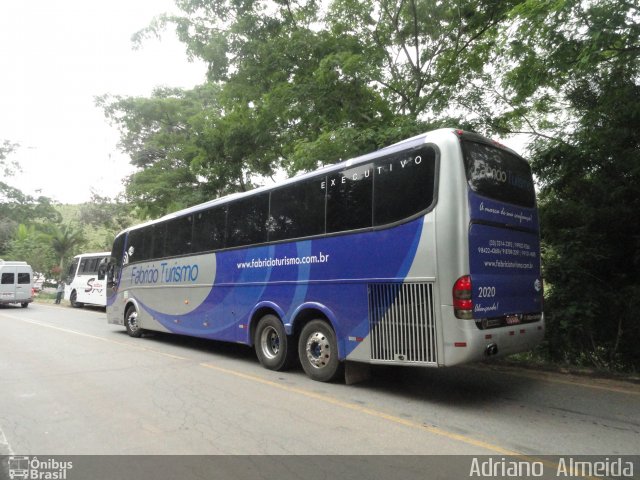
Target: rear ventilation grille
{"x": 402, "y": 323}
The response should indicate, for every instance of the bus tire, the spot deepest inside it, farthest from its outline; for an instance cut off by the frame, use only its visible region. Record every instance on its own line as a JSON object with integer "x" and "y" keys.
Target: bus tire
{"x": 72, "y": 299}
{"x": 131, "y": 322}
{"x": 273, "y": 348}
{"x": 24, "y": 304}
{"x": 318, "y": 351}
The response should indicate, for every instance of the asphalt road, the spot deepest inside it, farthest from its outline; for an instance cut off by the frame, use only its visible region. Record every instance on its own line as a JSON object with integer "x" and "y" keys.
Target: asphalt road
{"x": 70, "y": 384}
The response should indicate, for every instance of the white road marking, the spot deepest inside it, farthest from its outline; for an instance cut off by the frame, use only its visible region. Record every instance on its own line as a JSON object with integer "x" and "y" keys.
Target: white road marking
{"x": 5, "y": 448}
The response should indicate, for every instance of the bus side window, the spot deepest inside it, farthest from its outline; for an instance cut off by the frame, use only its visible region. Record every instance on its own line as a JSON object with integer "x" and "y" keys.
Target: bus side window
{"x": 297, "y": 210}
{"x": 102, "y": 268}
{"x": 115, "y": 261}
{"x": 71, "y": 273}
{"x": 158, "y": 235}
{"x": 403, "y": 185}
{"x": 247, "y": 223}
{"x": 90, "y": 266}
{"x": 143, "y": 243}
{"x": 178, "y": 240}
{"x": 83, "y": 266}
{"x": 209, "y": 229}
{"x": 349, "y": 199}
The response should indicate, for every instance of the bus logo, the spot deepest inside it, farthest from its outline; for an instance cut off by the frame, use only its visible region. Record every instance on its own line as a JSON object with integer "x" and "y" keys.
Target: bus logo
{"x": 26, "y": 467}
{"x": 18, "y": 467}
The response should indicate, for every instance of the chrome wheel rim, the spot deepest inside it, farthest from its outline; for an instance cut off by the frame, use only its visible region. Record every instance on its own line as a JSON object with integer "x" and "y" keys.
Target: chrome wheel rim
{"x": 318, "y": 350}
{"x": 132, "y": 321}
{"x": 270, "y": 342}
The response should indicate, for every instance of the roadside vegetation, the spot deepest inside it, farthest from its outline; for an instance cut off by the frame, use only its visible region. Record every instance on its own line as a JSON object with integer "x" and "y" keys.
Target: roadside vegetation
{"x": 294, "y": 85}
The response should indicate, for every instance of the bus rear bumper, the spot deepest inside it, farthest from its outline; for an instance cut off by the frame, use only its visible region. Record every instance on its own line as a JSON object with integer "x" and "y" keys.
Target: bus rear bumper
{"x": 470, "y": 344}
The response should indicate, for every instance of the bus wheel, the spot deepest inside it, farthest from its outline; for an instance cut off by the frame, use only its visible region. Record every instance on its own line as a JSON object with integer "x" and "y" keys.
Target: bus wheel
{"x": 24, "y": 304}
{"x": 73, "y": 298}
{"x": 273, "y": 348}
{"x": 131, "y": 322}
{"x": 318, "y": 351}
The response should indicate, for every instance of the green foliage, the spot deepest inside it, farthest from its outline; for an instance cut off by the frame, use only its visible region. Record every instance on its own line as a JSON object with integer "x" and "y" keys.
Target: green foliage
{"x": 31, "y": 246}
{"x": 186, "y": 149}
{"x": 590, "y": 211}
{"x": 295, "y": 85}
{"x": 580, "y": 66}
{"x": 102, "y": 218}
{"x": 17, "y": 207}
{"x": 46, "y": 235}
{"x": 424, "y": 51}
{"x": 8, "y": 167}
{"x": 63, "y": 239}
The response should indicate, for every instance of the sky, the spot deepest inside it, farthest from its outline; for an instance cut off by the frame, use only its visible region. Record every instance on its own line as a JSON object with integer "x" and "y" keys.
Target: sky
{"x": 55, "y": 58}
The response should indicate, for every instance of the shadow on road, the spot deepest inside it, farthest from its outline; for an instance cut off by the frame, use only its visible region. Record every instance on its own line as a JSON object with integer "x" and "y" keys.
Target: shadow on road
{"x": 464, "y": 386}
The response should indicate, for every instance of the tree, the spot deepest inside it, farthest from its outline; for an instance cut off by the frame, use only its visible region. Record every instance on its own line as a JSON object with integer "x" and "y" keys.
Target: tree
{"x": 7, "y": 166}
{"x": 113, "y": 214}
{"x": 166, "y": 136}
{"x": 17, "y": 207}
{"x": 31, "y": 246}
{"x": 63, "y": 239}
{"x": 590, "y": 204}
{"x": 574, "y": 82}
{"x": 295, "y": 85}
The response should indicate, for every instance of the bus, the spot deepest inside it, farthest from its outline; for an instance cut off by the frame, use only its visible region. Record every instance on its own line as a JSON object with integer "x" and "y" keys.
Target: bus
{"x": 85, "y": 282}
{"x": 424, "y": 253}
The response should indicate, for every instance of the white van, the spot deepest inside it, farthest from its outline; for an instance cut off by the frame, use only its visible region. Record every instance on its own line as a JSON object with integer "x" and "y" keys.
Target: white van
{"x": 16, "y": 282}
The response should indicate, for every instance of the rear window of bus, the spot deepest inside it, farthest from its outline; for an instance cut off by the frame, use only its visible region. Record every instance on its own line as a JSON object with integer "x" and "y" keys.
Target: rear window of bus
{"x": 498, "y": 174}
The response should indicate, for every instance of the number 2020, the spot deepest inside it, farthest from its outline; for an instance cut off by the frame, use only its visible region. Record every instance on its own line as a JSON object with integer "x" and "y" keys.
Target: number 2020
{"x": 486, "y": 292}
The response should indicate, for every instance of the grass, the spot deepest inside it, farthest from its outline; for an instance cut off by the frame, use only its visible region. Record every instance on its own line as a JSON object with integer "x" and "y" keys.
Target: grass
{"x": 44, "y": 297}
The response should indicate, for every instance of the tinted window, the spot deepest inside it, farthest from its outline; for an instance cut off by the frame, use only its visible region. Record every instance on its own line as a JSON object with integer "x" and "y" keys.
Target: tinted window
{"x": 297, "y": 210}
{"x": 116, "y": 261}
{"x": 93, "y": 266}
{"x": 140, "y": 244}
{"x": 159, "y": 235}
{"x": 349, "y": 195}
{"x": 72, "y": 270}
{"x": 102, "y": 267}
{"x": 247, "y": 222}
{"x": 117, "y": 250}
{"x": 8, "y": 279}
{"x": 498, "y": 174}
{"x": 24, "y": 278}
{"x": 178, "y": 240}
{"x": 89, "y": 266}
{"x": 83, "y": 266}
{"x": 403, "y": 185}
{"x": 209, "y": 229}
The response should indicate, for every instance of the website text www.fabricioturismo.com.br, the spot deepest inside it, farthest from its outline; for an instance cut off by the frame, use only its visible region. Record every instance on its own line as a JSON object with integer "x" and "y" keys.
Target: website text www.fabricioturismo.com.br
{"x": 284, "y": 261}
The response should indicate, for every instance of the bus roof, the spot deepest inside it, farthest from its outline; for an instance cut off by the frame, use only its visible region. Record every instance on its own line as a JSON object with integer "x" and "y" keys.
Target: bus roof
{"x": 93, "y": 254}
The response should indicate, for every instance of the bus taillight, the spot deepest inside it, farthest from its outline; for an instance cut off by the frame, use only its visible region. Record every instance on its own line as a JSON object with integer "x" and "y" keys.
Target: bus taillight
{"x": 462, "y": 302}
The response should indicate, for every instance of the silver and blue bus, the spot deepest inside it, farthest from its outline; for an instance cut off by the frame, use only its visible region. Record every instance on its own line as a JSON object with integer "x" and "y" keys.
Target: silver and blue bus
{"x": 425, "y": 253}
